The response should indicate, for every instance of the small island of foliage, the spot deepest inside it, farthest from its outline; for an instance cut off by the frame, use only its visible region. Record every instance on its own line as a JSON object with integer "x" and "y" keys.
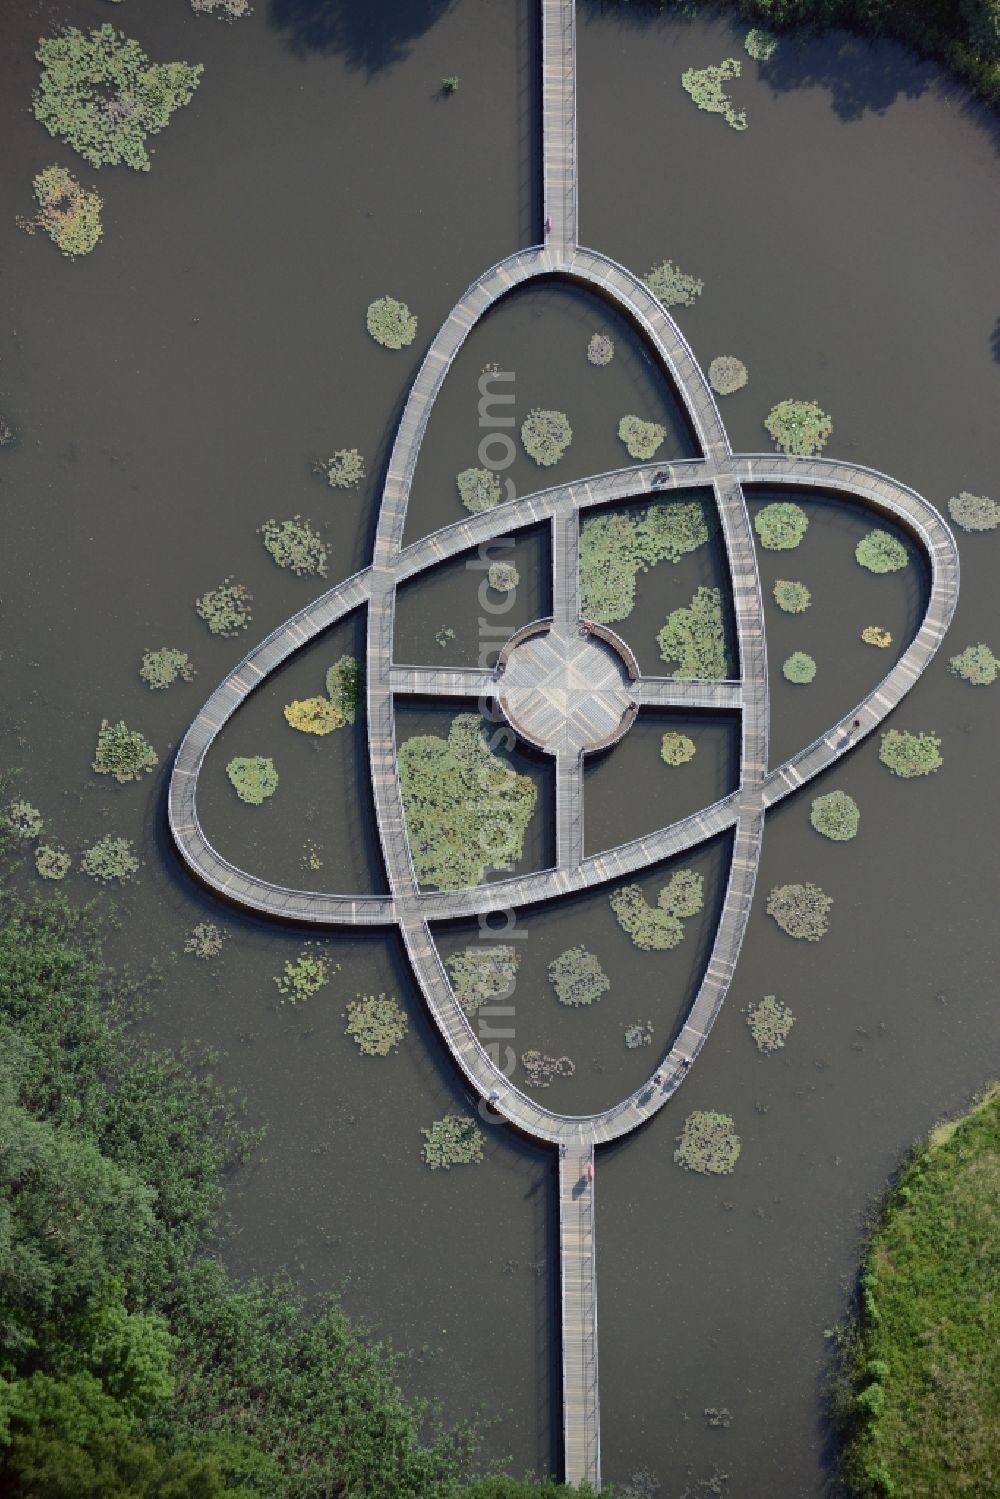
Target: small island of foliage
{"x": 676, "y": 749}
{"x": 293, "y": 544}
{"x": 707, "y": 87}
{"x": 226, "y": 609}
{"x": 376, "y": 1024}
{"x": 801, "y": 428}
{"x": 253, "y": 778}
{"x": 344, "y": 470}
{"x": 391, "y": 323}
{"x": 781, "y": 525}
{"x": 545, "y": 436}
{"x": 880, "y": 552}
{"x": 67, "y": 212}
{"x": 919, "y": 1392}
{"x": 641, "y": 439}
{"x": 616, "y": 546}
{"x": 466, "y": 810}
{"x": 875, "y": 635}
{"x": 836, "y": 815}
{"x": 727, "y": 374}
{"x": 600, "y": 349}
{"x": 455, "y": 1140}
{"x": 661, "y": 927}
{"x": 694, "y": 638}
{"x": 160, "y": 669}
{"x": 976, "y": 665}
{"x": 672, "y": 286}
{"x": 799, "y": 668}
{"x": 801, "y": 911}
{"x": 909, "y": 755}
{"x": 123, "y": 753}
{"x": 708, "y": 1143}
{"x": 792, "y": 598}
{"x": 761, "y": 45}
{"x": 304, "y": 976}
{"x": 974, "y": 512}
{"x": 52, "y": 862}
{"x": 577, "y": 977}
{"x": 478, "y": 489}
{"x": 770, "y": 1023}
{"x": 479, "y": 974}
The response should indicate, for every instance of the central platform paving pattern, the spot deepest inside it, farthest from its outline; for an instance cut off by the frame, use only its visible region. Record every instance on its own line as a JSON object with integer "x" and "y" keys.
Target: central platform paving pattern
{"x": 564, "y": 689}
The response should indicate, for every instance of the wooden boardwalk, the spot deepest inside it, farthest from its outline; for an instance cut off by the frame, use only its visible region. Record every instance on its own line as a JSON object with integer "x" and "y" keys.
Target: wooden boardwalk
{"x": 741, "y": 814}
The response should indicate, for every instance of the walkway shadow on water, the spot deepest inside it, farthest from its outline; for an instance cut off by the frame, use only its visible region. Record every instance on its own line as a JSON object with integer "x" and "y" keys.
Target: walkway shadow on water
{"x": 995, "y": 341}
{"x": 369, "y": 36}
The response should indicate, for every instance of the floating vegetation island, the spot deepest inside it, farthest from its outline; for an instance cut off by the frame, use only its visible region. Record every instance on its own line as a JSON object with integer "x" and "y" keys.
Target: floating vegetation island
{"x": 661, "y": 927}
{"x": 799, "y": 668}
{"x": 909, "y": 755}
{"x": 694, "y": 637}
{"x": 539, "y": 1070}
{"x": 345, "y": 685}
{"x": 160, "y": 669}
{"x": 707, "y": 87}
{"x": 676, "y": 749}
{"x": 52, "y": 862}
{"x": 455, "y": 1140}
{"x": 466, "y": 810}
{"x": 304, "y": 976}
{"x": 672, "y": 286}
{"x": 123, "y": 753}
{"x": 641, "y": 439}
{"x": 67, "y": 213}
{"x": 875, "y": 635}
{"x": 479, "y": 974}
{"x": 976, "y": 665}
{"x": 880, "y": 552}
{"x": 708, "y": 1143}
{"x": 781, "y": 526}
{"x": 24, "y": 820}
{"x": 801, "y": 911}
{"x": 344, "y": 470}
{"x": 376, "y": 1024}
{"x": 479, "y": 489}
{"x": 101, "y": 94}
{"x": 601, "y": 349}
{"x": 616, "y": 546}
{"x": 391, "y": 323}
{"x": 503, "y": 577}
{"x": 293, "y": 544}
{"x": 793, "y": 598}
{"x": 761, "y": 45}
{"x": 974, "y": 512}
{"x": 801, "y": 428}
{"x": 577, "y": 977}
{"x": 205, "y": 940}
{"x": 836, "y": 815}
{"x": 546, "y": 435}
{"x": 110, "y": 858}
{"x": 727, "y": 374}
{"x": 639, "y": 1033}
{"x": 770, "y": 1022}
{"x": 253, "y": 778}
{"x": 313, "y": 715}
{"x": 226, "y": 609}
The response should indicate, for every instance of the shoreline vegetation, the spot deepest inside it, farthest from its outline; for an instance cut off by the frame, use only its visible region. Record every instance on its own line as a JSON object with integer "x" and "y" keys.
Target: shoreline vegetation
{"x": 917, "y": 1398}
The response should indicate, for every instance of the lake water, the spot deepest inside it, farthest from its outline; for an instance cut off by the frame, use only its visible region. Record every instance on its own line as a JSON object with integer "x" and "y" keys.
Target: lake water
{"x": 172, "y": 392}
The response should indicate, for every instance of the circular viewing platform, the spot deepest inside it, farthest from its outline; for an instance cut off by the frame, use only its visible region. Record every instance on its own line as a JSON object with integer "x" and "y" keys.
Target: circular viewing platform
{"x": 567, "y": 688}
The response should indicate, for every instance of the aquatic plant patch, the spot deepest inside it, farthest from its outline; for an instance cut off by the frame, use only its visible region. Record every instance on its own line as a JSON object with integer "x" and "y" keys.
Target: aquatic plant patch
{"x": 641, "y": 439}
{"x": 793, "y": 598}
{"x": 577, "y": 977}
{"x": 880, "y": 552}
{"x": 100, "y": 94}
{"x": 253, "y": 778}
{"x": 694, "y": 638}
{"x": 205, "y": 940}
{"x": 24, "y": 820}
{"x": 304, "y": 976}
{"x": 799, "y": 668}
{"x": 313, "y": 715}
{"x": 676, "y": 749}
{"x": 616, "y": 546}
{"x": 683, "y": 895}
{"x": 123, "y": 753}
{"x": 761, "y": 45}
{"x": 344, "y": 470}
{"x": 110, "y": 859}
{"x": 801, "y": 911}
{"x": 540, "y": 1070}
{"x": 875, "y": 635}
{"x": 601, "y": 349}
{"x": 455, "y": 1140}
{"x": 503, "y": 577}
{"x": 226, "y": 609}
{"x": 481, "y": 973}
{"x": 707, "y": 87}
{"x": 545, "y": 436}
{"x": 345, "y": 686}
{"x": 391, "y": 323}
{"x": 651, "y": 929}
{"x": 781, "y": 525}
{"x": 976, "y": 665}
{"x": 376, "y": 1024}
{"x": 974, "y": 512}
{"x": 672, "y": 286}
{"x": 909, "y": 755}
{"x": 161, "y": 669}
{"x": 444, "y": 636}
{"x": 836, "y": 815}
{"x": 466, "y": 810}
{"x": 799, "y": 427}
{"x": 67, "y": 212}
{"x": 638, "y": 1034}
{"x": 479, "y": 489}
{"x": 293, "y": 544}
{"x": 224, "y": 10}
{"x": 770, "y": 1023}
{"x": 52, "y": 862}
{"x": 708, "y": 1143}
{"x": 727, "y": 374}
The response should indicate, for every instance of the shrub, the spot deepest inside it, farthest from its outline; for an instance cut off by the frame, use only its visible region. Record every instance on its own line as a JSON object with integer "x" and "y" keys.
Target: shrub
{"x": 226, "y": 609}
{"x": 708, "y": 1144}
{"x": 881, "y": 553}
{"x": 376, "y": 1023}
{"x": 344, "y": 470}
{"x": 976, "y": 664}
{"x": 205, "y": 940}
{"x": 345, "y": 686}
{"x": 479, "y": 974}
{"x": 455, "y": 1140}
{"x": 102, "y": 96}
{"x": 601, "y": 349}
{"x": 254, "y": 779}
{"x": 676, "y": 749}
{"x": 479, "y": 489}
{"x": 802, "y": 911}
{"x": 110, "y": 859}
{"x": 836, "y": 816}
{"x": 617, "y": 545}
{"x": 305, "y": 976}
{"x": 727, "y": 374}
{"x": 770, "y": 1022}
{"x": 695, "y": 639}
{"x": 546, "y": 435}
{"x": 391, "y": 323}
{"x": 641, "y": 438}
{"x": 875, "y": 635}
{"x": 24, "y": 820}
{"x": 781, "y": 526}
{"x": 450, "y": 84}
{"x": 577, "y": 977}
{"x": 313, "y": 715}
{"x": 672, "y": 286}
{"x": 160, "y": 669}
{"x": 51, "y": 862}
{"x": 799, "y": 427}
{"x": 974, "y": 512}
{"x": 466, "y": 810}
{"x": 123, "y": 753}
{"x": 67, "y": 213}
{"x": 503, "y": 577}
{"x": 908, "y": 754}
{"x": 761, "y": 45}
{"x": 799, "y": 668}
{"x": 683, "y": 895}
{"x": 793, "y": 598}
{"x": 295, "y": 545}
{"x": 707, "y": 88}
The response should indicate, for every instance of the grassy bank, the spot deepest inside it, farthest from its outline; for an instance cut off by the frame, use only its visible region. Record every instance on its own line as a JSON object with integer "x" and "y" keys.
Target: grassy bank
{"x": 921, "y": 1403}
